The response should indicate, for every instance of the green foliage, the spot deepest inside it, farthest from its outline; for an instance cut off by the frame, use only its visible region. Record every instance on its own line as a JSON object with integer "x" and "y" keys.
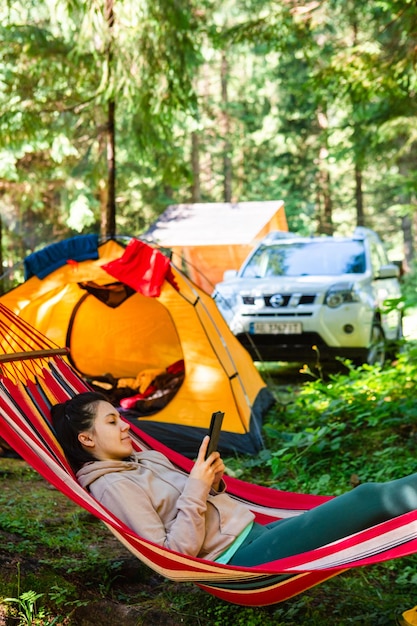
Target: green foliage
{"x": 20, "y": 516}
{"x": 324, "y": 429}
{"x": 409, "y": 286}
{"x": 25, "y": 607}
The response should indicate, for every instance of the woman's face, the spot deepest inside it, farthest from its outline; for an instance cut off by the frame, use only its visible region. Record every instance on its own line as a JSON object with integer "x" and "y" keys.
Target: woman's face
{"x": 109, "y": 438}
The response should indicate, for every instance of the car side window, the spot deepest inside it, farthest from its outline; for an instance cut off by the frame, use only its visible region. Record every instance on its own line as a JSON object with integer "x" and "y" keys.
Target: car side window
{"x": 257, "y": 264}
{"x": 378, "y": 257}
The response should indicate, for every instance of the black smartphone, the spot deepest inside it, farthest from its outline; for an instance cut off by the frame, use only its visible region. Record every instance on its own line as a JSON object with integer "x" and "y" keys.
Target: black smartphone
{"x": 214, "y": 431}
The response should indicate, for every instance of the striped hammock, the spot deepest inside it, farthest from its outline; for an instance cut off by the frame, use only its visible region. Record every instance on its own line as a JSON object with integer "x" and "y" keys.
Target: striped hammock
{"x": 34, "y": 376}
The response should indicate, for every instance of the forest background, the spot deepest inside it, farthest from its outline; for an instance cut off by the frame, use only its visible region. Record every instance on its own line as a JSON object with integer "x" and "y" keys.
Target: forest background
{"x": 111, "y": 110}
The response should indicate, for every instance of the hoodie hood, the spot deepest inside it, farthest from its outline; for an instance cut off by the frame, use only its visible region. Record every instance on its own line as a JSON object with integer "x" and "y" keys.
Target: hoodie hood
{"x": 94, "y": 470}
{"x": 90, "y": 472}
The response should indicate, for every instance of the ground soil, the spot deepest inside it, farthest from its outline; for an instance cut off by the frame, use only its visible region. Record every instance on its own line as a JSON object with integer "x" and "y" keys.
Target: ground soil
{"x": 136, "y": 596}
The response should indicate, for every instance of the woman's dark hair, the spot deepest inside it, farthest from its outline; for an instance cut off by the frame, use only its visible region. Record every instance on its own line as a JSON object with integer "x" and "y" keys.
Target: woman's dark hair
{"x": 71, "y": 418}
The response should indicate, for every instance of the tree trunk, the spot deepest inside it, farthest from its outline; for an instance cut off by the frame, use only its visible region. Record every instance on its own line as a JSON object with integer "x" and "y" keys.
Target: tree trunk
{"x": 324, "y": 202}
{"x": 407, "y": 218}
{"x": 108, "y": 224}
{"x": 360, "y": 213}
{"x": 227, "y": 161}
{"x": 324, "y": 198}
{"x": 407, "y": 228}
{"x": 195, "y": 165}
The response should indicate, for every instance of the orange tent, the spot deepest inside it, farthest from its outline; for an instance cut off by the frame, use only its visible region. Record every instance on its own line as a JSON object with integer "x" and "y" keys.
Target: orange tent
{"x": 127, "y": 311}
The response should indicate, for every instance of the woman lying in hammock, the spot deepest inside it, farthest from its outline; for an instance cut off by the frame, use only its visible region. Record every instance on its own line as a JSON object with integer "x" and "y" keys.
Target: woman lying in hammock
{"x": 191, "y": 513}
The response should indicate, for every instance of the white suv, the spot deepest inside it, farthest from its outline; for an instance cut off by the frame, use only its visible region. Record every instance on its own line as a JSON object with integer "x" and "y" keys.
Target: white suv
{"x": 293, "y": 293}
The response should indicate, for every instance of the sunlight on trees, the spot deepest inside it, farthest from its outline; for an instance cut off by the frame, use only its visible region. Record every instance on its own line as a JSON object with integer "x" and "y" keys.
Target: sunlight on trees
{"x": 310, "y": 103}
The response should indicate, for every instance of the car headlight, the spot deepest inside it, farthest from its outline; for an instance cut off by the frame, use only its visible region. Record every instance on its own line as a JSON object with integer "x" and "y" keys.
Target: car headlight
{"x": 225, "y": 300}
{"x": 256, "y": 300}
{"x": 341, "y": 293}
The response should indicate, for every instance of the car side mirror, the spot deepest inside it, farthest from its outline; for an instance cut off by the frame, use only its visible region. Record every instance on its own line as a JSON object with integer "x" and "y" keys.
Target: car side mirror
{"x": 229, "y": 274}
{"x": 400, "y": 265}
{"x": 388, "y": 271}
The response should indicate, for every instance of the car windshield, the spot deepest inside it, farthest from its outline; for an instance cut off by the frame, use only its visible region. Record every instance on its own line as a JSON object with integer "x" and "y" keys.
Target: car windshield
{"x": 311, "y": 258}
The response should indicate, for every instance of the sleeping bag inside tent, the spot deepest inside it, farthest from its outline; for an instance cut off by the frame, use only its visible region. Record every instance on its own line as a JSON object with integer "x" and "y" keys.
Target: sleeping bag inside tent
{"x": 139, "y": 330}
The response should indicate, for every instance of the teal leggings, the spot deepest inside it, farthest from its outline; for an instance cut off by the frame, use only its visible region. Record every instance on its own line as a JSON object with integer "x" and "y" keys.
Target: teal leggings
{"x": 364, "y": 506}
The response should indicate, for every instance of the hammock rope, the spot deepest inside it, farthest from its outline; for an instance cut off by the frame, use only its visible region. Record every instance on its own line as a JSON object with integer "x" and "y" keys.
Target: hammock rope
{"x": 28, "y": 389}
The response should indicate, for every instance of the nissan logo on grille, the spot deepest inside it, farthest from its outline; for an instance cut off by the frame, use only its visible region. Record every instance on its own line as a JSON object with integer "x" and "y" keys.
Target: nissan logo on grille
{"x": 276, "y": 300}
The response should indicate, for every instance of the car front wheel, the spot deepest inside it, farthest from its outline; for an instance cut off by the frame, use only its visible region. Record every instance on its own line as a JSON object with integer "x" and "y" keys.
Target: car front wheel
{"x": 377, "y": 348}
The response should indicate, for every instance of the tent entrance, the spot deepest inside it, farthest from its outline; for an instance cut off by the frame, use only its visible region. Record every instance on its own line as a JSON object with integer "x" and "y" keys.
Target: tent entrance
{"x": 125, "y": 323}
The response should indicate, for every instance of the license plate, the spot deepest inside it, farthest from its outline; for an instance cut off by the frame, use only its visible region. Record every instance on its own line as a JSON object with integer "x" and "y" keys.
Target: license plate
{"x": 276, "y": 328}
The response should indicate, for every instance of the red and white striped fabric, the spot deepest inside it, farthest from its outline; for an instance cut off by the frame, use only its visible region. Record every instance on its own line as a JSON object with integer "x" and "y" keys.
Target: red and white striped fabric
{"x": 34, "y": 376}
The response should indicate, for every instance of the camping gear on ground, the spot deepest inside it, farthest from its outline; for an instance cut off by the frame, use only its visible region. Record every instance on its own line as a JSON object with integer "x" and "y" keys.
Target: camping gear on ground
{"x": 34, "y": 376}
{"x": 129, "y": 317}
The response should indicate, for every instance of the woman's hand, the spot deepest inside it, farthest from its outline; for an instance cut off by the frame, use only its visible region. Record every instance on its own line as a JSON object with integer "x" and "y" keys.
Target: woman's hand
{"x": 210, "y": 470}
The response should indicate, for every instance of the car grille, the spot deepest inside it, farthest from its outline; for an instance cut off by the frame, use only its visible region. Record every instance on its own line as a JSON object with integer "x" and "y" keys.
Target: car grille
{"x": 287, "y": 308}
{"x": 291, "y": 300}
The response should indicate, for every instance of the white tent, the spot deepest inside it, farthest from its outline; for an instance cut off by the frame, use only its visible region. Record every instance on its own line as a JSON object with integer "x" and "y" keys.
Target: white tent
{"x": 208, "y": 238}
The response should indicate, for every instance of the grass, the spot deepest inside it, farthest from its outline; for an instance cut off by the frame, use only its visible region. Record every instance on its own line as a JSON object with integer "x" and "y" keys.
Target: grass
{"x": 61, "y": 566}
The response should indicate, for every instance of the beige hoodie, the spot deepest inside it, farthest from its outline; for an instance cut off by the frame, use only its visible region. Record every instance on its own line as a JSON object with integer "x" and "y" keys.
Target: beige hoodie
{"x": 164, "y": 505}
